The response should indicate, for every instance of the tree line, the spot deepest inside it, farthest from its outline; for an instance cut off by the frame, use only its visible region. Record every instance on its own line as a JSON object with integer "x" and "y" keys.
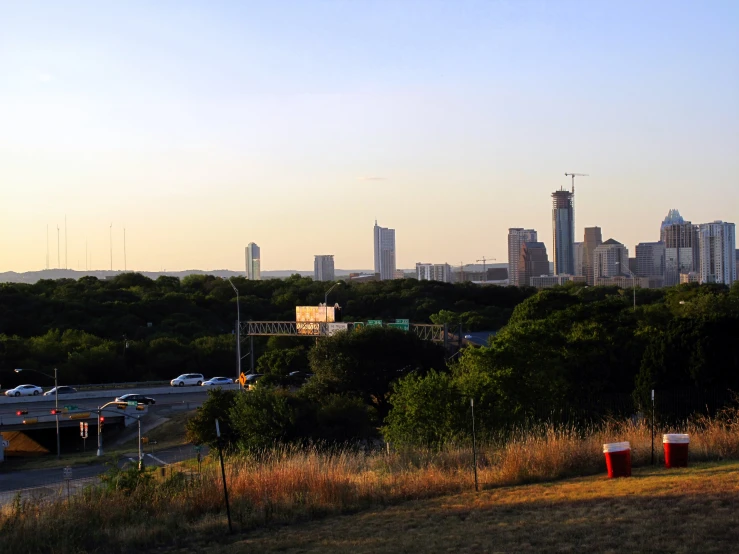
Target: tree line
{"x": 563, "y": 356}
{"x": 133, "y": 328}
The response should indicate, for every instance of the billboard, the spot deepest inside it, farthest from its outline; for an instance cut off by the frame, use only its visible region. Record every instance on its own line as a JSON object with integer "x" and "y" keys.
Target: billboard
{"x": 307, "y": 318}
{"x": 314, "y": 314}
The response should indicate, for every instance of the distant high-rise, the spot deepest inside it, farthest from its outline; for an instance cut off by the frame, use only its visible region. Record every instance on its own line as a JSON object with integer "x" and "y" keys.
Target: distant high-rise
{"x": 384, "y": 252}
{"x": 593, "y": 239}
{"x": 650, "y": 259}
{"x": 717, "y": 249}
{"x": 579, "y": 259}
{"x": 611, "y": 259}
{"x": 681, "y": 247}
{"x": 253, "y": 262}
{"x": 516, "y": 237}
{"x": 532, "y": 262}
{"x": 434, "y": 272}
{"x": 563, "y": 230}
{"x": 323, "y": 267}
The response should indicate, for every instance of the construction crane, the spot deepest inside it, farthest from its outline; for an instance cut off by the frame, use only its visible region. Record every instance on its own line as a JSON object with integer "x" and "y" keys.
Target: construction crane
{"x": 573, "y": 175}
{"x": 484, "y": 261}
{"x": 462, "y": 265}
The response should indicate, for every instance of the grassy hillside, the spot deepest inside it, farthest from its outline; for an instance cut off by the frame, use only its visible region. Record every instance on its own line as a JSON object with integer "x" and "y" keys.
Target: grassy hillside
{"x": 657, "y": 510}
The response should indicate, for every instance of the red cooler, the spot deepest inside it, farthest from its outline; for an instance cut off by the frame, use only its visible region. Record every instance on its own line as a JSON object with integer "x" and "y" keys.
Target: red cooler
{"x": 676, "y": 450}
{"x": 618, "y": 459}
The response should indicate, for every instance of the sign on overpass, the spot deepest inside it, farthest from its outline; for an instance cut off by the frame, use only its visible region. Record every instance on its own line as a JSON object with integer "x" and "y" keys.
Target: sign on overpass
{"x": 434, "y": 333}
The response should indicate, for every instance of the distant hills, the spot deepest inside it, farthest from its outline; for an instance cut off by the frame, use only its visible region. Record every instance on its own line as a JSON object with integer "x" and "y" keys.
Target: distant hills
{"x": 33, "y": 276}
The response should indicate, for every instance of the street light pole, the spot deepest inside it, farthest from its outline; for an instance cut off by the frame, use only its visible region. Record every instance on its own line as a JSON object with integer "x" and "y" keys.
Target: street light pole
{"x": 325, "y": 305}
{"x": 56, "y": 404}
{"x": 56, "y": 415}
{"x": 238, "y": 333}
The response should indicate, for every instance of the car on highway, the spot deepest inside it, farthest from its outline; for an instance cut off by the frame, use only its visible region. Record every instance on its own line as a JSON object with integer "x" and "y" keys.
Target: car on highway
{"x": 217, "y": 381}
{"x": 140, "y": 398}
{"x": 252, "y": 379}
{"x": 62, "y": 390}
{"x": 188, "y": 379}
{"x": 24, "y": 390}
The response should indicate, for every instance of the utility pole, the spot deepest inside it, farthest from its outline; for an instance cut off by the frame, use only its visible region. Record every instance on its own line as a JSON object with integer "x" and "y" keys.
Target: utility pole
{"x": 111, "y": 246}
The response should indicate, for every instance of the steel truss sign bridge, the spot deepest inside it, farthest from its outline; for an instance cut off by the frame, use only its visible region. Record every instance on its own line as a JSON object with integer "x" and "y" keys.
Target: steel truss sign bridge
{"x": 436, "y": 333}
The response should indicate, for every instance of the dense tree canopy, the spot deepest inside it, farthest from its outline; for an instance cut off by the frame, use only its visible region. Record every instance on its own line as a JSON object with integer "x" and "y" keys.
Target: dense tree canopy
{"x": 131, "y": 327}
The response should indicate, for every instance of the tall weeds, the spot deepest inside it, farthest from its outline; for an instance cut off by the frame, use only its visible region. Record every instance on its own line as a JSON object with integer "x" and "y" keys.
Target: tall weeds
{"x": 131, "y": 513}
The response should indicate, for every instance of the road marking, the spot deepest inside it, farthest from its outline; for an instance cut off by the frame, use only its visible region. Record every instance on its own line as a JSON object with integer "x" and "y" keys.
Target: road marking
{"x": 157, "y": 459}
{"x": 133, "y": 460}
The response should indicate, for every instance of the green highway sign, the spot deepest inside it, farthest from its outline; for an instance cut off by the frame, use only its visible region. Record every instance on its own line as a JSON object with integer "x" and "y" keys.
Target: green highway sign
{"x": 70, "y": 407}
{"x": 133, "y": 403}
{"x": 403, "y": 326}
{"x": 404, "y": 321}
{"x": 374, "y": 322}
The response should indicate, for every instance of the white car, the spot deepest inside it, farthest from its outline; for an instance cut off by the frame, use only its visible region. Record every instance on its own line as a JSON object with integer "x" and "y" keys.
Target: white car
{"x": 24, "y": 390}
{"x": 218, "y": 381}
{"x": 188, "y": 379}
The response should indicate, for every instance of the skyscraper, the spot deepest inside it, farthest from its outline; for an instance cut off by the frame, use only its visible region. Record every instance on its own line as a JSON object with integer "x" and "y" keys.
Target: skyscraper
{"x": 323, "y": 267}
{"x": 650, "y": 259}
{"x": 681, "y": 246}
{"x": 253, "y": 262}
{"x": 717, "y": 252}
{"x": 593, "y": 239}
{"x": 384, "y": 252}
{"x": 516, "y": 237}
{"x": 579, "y": 259}
{"x": 563, "y": 230}
{"x": 434, "y": 272}
{"x": 611, "y": 259}
{"x": 532, "y": 262}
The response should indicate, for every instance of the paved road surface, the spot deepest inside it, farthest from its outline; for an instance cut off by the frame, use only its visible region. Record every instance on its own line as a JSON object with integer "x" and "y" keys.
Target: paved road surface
{"x": 45, "y": 407}
{"x": 18, "y": 480}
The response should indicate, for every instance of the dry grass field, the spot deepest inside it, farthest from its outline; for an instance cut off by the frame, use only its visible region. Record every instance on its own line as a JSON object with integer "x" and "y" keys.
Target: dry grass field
{"x": 656, "y": 510}
{"x": 409, "y": 499}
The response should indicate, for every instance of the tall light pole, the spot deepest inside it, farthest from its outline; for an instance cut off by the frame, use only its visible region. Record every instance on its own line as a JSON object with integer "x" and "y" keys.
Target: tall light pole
{"x": 56, "y": 404}
{"x": 238, "y": 332}
{"x": 325, "y": 302}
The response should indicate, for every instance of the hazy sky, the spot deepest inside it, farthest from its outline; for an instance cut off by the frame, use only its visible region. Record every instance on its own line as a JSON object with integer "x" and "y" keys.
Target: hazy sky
{"x": 202, "y": 126}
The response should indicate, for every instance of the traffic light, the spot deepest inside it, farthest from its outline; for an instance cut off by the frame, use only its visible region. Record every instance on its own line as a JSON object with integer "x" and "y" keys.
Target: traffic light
{"x": 21, "y": 412}
{"x": 101, "y": 421}
{"x": 55, "y": 411}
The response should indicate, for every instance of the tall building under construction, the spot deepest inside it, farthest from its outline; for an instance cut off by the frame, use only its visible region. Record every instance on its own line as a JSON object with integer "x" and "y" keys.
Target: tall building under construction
{"x": 563, "y": 231}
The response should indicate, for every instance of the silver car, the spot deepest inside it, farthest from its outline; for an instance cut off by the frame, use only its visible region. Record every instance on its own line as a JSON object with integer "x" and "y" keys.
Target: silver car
{"x": 195, "y": 379}
{"x": 24, "y": 390}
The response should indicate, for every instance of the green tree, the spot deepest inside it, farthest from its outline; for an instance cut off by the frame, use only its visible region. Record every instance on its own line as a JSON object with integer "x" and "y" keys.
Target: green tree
{"x": 201, "y": 428}
{"x": 364, "y": 363}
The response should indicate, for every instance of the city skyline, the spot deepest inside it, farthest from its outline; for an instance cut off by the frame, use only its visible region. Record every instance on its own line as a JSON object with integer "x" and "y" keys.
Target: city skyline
{"x": 114, "y": 115}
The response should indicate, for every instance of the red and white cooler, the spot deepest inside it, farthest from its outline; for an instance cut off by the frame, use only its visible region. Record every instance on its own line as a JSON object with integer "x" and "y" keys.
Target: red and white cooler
{"x": 618, "y": 459}
{"x": 676, "y": 449}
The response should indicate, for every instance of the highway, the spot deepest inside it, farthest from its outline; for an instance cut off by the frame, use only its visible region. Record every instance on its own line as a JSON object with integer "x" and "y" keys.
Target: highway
{"x": 90, "y": 400}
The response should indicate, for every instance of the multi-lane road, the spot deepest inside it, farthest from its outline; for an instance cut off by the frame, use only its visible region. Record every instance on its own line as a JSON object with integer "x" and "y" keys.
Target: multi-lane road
{"x": 91, "y": 400}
